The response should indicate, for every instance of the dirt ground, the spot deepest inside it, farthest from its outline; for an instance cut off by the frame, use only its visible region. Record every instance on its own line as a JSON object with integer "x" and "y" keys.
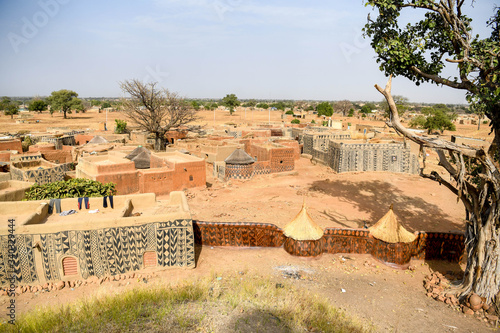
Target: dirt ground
{"x": 392, "y": 300}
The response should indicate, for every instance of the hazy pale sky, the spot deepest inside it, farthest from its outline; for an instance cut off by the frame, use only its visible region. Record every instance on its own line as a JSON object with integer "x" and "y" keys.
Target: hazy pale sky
{"x": 201, "y": 48}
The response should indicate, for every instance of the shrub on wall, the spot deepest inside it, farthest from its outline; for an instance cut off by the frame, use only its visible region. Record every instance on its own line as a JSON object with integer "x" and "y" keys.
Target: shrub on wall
{"x": 295, "y": 121}
{"x": 73, "y": 188}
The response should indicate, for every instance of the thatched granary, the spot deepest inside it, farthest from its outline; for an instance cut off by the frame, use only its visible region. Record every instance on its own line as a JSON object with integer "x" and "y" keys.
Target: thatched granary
{"x": 303, "y": 237}
{"x": 392, "y": 243}
{"x": 239, "y": 157}
{"x": 97, "y": 140}
{"x": 141, "y": 157}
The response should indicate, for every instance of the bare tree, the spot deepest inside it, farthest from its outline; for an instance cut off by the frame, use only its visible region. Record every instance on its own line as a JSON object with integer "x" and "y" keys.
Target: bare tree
{"x": 155, "y": 110}
{"x": 343, "y": 107}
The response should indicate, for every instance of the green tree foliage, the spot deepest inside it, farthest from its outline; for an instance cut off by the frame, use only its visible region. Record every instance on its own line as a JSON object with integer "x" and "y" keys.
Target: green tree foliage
{"x": 64, "y": 100}
{"x": 324, "y": 109}
{"x": 120, "y": 126}
{"x": 289, "y": 112}
{"x": 365, "y": 109}
{"x": 295, "y": 121}
{"x": 73, "y": 188}
{"x": 105, "y": 105}
{"x": 418, "y": 122}
{"x": 195, "y": 105}
{"x": 38, "y": 105}
{"x": 313, "y": 121}
{"x": 442, "y": 37}
{"x": 263, "y": 106}
{"x": 351, "y": 113}
{"x": 438, "y": 119}
{"x": 250, "y": 103}
{"x": 5, "y": 102}
{"x": 11, "y": 109}
{"x": 231, "y": 102}
{"x": 279, "y": 105}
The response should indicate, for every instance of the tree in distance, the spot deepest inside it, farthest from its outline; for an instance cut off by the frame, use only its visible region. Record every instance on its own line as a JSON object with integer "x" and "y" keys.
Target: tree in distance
{"x": 351, "y": 113}
{"x": 295, "y": 121}
{"x": 231, "y": 102}
{"x": 420, "y": 51}
{"x": 365, "y": 109}
{"x": 249, "y": 104}
{"x": 105, "y": 105}
{"x": 63, "y": 100}
{"x": 262, "y": 106}
{"x": 38, "y": 105}
{"x": 11, "y": 109}
{"x": 324, "y": 109}
{"x": 401, "y": 104}
{"x": 343, "y": 107}
{"x": 155, "y": 110}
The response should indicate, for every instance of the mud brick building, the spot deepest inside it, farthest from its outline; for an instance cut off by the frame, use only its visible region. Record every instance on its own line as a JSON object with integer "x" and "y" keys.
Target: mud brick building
{"x": 50, "y": 247}
{"x": 34, "y": 168}
{"x": 169, "y": 171}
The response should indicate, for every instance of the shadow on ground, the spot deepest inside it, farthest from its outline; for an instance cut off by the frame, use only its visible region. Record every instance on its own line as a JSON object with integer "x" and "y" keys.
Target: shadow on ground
{"x": 375, "y": 197}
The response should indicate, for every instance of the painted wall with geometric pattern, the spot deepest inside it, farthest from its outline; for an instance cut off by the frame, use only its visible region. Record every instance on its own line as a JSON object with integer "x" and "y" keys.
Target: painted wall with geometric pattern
{"x": 100, "y": 252}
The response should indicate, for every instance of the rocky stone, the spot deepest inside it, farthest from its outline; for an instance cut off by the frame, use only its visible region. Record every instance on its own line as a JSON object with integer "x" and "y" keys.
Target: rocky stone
{"x": 475, "y": 302}
{"x": 45, "y": 285}
{"x": 467, "y": 311}
{"x": 59, "y": 285}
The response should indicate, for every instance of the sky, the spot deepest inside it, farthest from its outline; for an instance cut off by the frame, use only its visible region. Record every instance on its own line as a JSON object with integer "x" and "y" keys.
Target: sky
{"x": 286, "y": 49}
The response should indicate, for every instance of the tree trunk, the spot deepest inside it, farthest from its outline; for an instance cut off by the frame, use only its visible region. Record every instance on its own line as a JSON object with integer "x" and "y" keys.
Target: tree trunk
{"x": 160, "y": 141}
{"x": 64, "y": 111}
{"x": 482, "y": 273}
{"x": 481, "y": 197}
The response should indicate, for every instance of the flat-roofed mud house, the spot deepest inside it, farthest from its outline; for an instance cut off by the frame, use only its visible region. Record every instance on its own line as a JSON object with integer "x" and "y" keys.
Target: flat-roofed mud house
{"x": 138, "y": 232}
{"x": 167, "y": 172}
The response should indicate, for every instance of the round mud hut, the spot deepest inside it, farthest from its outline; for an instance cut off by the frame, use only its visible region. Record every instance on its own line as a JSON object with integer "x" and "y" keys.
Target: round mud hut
{"x": 303, "y": 237}
{"x": 239, "y": 165}
{"x": 392, "y": 243}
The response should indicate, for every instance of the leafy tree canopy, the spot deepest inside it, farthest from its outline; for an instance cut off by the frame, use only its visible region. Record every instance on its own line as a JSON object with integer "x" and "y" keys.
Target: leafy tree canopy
{"x": 63, "y": 100}
{"x": 38, "y": 105}
{"x": 231, "y": 102}
{"x": 263, "y": 106}
{"x": 324, "y": 109}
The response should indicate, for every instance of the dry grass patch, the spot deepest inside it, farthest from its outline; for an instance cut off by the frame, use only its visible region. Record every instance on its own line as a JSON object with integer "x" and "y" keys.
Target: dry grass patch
{"x": 241, "y": 303}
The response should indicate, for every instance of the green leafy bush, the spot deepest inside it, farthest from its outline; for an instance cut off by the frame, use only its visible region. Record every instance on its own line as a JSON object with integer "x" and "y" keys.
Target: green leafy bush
{"x": 289, "y": 112}
{"x": 313, "y": 121}
{"x": 295, "y": 121}
{"x": 73, "y": 188}
{"x": 120, "y": 126}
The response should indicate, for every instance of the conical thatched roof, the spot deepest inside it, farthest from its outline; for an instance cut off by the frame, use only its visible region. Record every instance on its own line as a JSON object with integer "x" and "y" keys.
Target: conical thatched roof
{"x": 389, "y": 230}
{"x": 302, "y": 227}
{"x": 136, "y": 152}
{"x": 97, "y": 139}
{"x": 239, "y": 157}
{"x": 142, "y": 161}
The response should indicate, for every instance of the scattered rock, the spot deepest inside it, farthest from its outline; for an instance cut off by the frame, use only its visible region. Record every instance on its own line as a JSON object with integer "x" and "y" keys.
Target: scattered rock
{"x": 467, "y": 310}
{"x": 59, "y": 285}
{"x": 475, "y": 302}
